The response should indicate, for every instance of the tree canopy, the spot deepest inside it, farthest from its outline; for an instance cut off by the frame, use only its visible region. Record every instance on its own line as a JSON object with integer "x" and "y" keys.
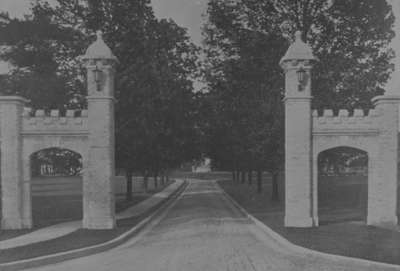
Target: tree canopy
{"x": 350, "y": 38}
{"x": 42, "y": 52}
{"x": 155, "y": 108}
{"x": 244, "y": 42}
{"x": 160, "y": 120}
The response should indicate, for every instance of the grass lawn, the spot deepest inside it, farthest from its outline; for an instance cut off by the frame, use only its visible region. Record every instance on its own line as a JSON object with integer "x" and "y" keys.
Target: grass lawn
{"x": 342, "y": 232}
{"x": 51, "y": 210}
{"x": 8, "y": 234}
{"x": 80, "y": 238}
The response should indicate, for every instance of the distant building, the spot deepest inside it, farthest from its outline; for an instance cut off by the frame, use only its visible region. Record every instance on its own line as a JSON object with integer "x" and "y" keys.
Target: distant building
{"x": 202, "y": 167}
{"x": 5, "y": 66}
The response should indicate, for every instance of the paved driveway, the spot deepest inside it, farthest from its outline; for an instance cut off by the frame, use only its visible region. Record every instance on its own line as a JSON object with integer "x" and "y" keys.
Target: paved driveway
{"x": 203, "y": 231}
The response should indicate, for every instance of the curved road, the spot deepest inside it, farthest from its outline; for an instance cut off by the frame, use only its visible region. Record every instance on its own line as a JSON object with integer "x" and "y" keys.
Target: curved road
{"x": 203, "y": 231}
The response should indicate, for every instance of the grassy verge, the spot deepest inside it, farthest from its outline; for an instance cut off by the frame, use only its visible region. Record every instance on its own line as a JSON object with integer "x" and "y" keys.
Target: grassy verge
{"x": 78, "y": 239}
{"x": 75, "y": 240}
{"x": 8, "y": 234}
{"x": 51, "y": 210}
{"x": 348, "y": 236}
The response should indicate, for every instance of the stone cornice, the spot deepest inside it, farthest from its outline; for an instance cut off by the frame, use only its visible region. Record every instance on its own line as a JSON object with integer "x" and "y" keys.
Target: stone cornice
{"x": 345, "y": 132}
{"x": 296, "y": 98}
{"x": 54, "y": 133}
{"x": 13, "y": 99}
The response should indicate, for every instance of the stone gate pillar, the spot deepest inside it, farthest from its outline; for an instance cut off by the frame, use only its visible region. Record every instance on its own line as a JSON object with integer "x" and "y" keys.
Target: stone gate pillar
{"x": 14, "y": 199}
{"x": 297, "y": 64}
{"x": 98, "y": 186}
{"x": 382, "y": 181}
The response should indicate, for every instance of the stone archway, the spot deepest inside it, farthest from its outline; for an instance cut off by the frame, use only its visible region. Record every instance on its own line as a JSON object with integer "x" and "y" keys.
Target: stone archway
{"x": 342, "y": 184}
{"x": 91, "y": 133}
{"x": 56, "y": 185}
{"x": 307, "y": 133}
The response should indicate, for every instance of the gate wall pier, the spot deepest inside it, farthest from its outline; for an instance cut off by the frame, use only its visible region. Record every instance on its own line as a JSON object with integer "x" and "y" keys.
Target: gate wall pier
{"x": 382, "y": 187}
{"x": 308, "y": 134}
{"x": 88, "y": 132}
{"x": 12, "y": 186}
{"x": 298, "y": 144}
{"x": 98, "y": 186}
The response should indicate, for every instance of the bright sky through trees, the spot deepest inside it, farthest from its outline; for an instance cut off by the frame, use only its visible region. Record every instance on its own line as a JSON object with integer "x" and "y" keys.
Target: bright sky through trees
{"x": 186, "y": 13}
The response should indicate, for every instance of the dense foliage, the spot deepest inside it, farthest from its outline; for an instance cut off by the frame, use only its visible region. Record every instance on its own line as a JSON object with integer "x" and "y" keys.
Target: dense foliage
{"x": 156, "y": 104}
{"x": 244, "y": 41}
{"x": 160, "y": 120}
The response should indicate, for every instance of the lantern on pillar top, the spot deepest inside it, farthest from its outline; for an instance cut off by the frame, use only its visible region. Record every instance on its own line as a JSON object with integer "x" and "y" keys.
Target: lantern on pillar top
{"x": 97, "y": 77}
{"x": 98, "y": 60}
{"x": 297, "y": 63}
{"x": 301, "y": 78}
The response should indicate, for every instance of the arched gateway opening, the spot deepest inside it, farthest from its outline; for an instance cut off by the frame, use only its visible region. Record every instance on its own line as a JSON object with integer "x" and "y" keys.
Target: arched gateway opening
{"x": 56, "y": 186}
{"x": 342, "y": 185}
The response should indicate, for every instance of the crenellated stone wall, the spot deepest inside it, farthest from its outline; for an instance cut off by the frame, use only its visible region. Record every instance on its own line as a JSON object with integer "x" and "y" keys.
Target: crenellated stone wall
{"x": 343, "y": 123}
{"x": 88, "y": 132}
{"x": 308, "y": 134}
{"x": 37, "y": 122}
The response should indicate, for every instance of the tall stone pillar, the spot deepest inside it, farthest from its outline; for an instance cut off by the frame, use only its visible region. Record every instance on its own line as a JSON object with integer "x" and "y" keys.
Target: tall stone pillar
{"x": 297, "y": 64}
{"x": 382, "y": 181}
{"x": 392, "y": 86}
{"x": 14, "y": 198}
{"x": 98, "y": 186}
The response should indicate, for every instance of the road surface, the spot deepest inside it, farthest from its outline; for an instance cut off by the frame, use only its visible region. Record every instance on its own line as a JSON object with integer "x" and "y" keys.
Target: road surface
{"x": 203, "y": 231}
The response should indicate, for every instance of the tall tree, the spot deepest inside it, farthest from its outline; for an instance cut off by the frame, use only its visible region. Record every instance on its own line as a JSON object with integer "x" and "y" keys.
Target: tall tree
{"x": 350, "y": 39}
{"x": 156, "y": 106}
{"x": 155, "y": 127}
{"x": 42, "y": 53}
{"x": 246, "y": 89}
{"x": 245, "y": 40}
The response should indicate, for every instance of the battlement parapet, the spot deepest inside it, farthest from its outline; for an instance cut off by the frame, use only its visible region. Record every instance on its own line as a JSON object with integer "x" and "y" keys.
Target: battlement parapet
{"x": 344, "y": 123}
{"x": 53, "y": 122}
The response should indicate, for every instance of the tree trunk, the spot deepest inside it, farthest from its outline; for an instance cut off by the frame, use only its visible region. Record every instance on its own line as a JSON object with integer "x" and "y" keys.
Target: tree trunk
{"x": 275, "y": 189}
{"x": 155, "y": 181}
{"x": 243, "y": 177}
{"x": 259, "y": 181}
{"x": 162, "y": 179}
{"x": 237, "y": 175}
{"x": 129, "y": 185}
{"x": 250, "y": 177}
{"x": 145, "y": 182}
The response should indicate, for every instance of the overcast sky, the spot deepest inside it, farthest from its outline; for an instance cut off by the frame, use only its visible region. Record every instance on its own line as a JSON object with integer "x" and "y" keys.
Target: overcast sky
{"x": 187, "y": 13}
